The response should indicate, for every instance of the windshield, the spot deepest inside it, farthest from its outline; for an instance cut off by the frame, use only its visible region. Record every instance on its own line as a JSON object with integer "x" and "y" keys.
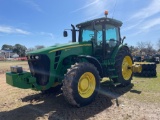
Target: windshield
{"x": 110, "y": 34}
{"x": 89, "y": 33}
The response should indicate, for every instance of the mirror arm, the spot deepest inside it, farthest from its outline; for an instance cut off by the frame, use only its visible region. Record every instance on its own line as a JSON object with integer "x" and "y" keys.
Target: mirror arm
{"x": 73, "y": 33}
{"x": 123, "y": 39}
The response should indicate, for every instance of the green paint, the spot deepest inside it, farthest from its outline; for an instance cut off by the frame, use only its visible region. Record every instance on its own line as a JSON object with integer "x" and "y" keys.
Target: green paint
{"x": 61, "y": 57}
{"x": 23, "y": 80}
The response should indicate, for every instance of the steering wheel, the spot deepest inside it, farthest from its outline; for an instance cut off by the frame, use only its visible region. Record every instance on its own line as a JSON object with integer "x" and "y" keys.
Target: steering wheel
{"x": 99, "y": 43}
{"x": 112, "y": 39}
{"x": 91, "y": 35}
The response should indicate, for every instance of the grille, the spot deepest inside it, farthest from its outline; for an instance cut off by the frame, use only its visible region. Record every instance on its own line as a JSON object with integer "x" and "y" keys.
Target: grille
{"x": 39, "y": 67}
{"x": 57, "y": 56}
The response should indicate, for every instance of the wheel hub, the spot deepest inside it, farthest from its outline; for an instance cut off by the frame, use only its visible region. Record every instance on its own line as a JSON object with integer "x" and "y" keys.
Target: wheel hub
{"x": 126, "y": 65}
{"x": 86, "y": 85}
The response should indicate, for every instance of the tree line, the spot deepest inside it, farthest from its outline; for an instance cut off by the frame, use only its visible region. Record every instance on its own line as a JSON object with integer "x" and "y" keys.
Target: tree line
{"x": 140, "y": 48}
{"x": 20, "y": 49}
{"x": 146, "y": 48}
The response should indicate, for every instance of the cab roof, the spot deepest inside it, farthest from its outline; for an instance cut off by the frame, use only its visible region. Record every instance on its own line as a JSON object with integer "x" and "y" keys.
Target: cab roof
{"x": 105, "y": 20}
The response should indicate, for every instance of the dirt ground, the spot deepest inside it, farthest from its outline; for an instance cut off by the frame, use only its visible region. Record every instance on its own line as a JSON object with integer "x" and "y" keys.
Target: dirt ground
{"x": 135, "y": 102}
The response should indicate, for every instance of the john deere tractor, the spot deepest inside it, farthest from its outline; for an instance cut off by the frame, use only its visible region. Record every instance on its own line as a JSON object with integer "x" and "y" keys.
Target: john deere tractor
{"x": 79, "y": 66}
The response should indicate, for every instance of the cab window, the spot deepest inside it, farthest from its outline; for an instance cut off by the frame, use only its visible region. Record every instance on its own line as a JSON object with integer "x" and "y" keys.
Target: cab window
{"x": 92, "y": 34}
{"x": 87, "y": 34}
{"x": 112, "y": 35}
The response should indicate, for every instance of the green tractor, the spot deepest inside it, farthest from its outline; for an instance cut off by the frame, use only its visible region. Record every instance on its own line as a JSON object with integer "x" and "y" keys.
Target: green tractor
{"x": 79, "y": 66}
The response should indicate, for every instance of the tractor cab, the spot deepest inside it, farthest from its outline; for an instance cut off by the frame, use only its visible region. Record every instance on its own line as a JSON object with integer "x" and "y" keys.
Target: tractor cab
{"x": 104, "y": 33}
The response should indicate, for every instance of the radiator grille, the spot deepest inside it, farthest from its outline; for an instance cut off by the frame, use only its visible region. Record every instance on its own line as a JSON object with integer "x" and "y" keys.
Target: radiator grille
{"x": 39, "y": 67}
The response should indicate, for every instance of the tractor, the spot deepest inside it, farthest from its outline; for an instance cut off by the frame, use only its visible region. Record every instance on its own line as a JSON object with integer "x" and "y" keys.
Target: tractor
{"x": 96, "y": 51}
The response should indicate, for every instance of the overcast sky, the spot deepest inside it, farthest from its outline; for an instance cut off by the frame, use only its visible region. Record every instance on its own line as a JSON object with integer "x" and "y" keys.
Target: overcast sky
{"x": 41, "y": 22}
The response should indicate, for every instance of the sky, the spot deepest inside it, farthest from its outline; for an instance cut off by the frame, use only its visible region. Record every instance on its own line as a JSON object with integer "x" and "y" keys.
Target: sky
{"x": 42, "y": 22}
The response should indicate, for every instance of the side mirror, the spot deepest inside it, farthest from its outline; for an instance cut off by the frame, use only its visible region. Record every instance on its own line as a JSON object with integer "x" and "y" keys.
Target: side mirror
{"x": 65, "y": 34}
{"x": 123, "y": 38}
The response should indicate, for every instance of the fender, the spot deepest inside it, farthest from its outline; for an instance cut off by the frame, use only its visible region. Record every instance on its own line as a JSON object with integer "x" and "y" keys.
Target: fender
{"x": 93, "y": 61}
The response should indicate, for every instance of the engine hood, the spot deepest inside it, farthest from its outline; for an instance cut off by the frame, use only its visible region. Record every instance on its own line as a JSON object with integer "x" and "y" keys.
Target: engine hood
{"x": 55, "y": 48}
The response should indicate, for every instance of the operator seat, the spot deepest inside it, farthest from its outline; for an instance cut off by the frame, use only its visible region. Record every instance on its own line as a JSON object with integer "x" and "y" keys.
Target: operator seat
{"x": 112, "y": 43}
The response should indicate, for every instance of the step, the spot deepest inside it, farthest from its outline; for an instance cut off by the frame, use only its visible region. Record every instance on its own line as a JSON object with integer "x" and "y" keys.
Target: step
{"x": 116, "y": 84}
{"x": 111, "y": 69}
{"x": 113, "y": 77}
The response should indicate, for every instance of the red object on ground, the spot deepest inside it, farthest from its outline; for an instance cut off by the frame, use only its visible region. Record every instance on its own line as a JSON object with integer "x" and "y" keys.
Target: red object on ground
{"x": 22, "y": 58}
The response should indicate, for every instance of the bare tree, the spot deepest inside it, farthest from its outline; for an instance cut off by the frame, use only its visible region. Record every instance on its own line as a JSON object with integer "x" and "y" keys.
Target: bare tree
{"x": 131, "y": 48}
{"x": 158, "y": 45}
{"x": 141, "y": 45}
{"x": 146, "y": 48}
{"x": 39, "y": 46}
{"x": 149, "y": 48}
{"x": 35, "y": 48}
{"x": 30, "y": 49}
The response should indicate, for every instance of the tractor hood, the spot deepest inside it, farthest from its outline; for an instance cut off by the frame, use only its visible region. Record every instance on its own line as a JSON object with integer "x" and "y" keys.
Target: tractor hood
{"x": 55, "y": 48}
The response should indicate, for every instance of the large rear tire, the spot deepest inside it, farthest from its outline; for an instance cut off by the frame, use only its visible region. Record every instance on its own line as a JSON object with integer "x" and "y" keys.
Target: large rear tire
{"x": 123, "y": 67}
{"x": 81, "y": 84}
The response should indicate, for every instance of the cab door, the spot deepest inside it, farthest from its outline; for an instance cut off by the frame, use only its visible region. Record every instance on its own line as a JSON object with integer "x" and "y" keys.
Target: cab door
{"x": 112, "y": 39}
{"x": 98, "y": 42}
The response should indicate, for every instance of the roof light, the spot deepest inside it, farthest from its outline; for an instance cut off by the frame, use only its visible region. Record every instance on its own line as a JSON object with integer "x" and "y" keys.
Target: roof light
{"x": 106, "y": 13}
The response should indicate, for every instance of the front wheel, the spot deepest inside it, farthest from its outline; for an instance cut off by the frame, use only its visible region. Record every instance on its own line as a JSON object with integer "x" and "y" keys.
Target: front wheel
{"x": 81, "y": 84}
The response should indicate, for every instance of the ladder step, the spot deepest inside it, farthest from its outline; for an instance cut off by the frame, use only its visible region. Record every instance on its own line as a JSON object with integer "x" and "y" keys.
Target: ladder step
{"x": 113, "y": 77}
{"x": 116, "y": 84}
{"x": 111, "y": 69}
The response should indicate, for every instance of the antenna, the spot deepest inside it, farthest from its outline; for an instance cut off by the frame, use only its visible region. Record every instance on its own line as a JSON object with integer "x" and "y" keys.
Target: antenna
{"x": 114, "y": 8}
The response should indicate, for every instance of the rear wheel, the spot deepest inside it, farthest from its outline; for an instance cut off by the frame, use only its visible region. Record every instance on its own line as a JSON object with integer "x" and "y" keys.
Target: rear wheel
{"x": 81, "y": 84}
{"x": 123, "y": 66}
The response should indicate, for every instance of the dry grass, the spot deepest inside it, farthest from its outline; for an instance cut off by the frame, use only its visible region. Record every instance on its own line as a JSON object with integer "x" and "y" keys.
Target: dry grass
{"x": 146, "y": 89}
{"x": 5, "y": 65}
{"x": 139, "y": 101}
{"x": 143, "y": 89}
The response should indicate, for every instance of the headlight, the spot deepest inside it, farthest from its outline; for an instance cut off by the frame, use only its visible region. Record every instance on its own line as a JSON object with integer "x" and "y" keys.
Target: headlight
{"x": 32, "y": 57}
{"x": 16, "y": 69}
{"x": 37, "y": 57}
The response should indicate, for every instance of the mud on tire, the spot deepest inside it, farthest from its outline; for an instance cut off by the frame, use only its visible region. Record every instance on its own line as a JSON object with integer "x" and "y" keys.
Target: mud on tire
{"x": 119, "y": 61}
{"x": 81, "y": 84}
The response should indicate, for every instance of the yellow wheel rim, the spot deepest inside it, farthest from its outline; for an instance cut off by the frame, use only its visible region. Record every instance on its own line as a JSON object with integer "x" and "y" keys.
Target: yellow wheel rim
{"x": 86, "y": 85}
{"x": 126, "y": 67}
